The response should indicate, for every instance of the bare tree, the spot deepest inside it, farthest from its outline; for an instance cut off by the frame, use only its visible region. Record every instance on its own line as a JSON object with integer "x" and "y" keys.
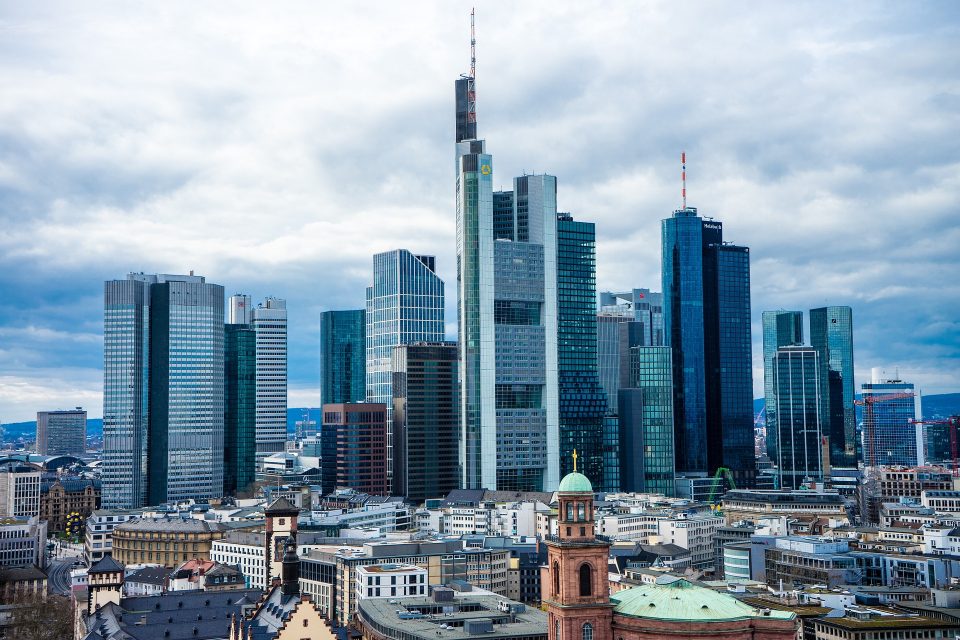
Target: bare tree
{"x": 37, "y": 618}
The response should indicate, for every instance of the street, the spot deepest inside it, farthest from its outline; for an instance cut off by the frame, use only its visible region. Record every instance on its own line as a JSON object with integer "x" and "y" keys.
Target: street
{"x": 58, "y": 575}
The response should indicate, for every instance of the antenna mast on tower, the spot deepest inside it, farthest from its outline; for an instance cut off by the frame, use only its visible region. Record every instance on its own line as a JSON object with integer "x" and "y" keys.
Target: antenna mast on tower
{"x": 683, "y": 177}
{"x": 473, "y": 46}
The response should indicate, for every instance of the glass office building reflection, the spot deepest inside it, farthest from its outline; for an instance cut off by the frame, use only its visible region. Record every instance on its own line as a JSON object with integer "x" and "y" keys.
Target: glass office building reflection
{"x": 582, "y": 400}
{"x": 706, "y": 291}
{"x": 163, "y": 390}
{"x": 889, "y": 436}
{"x": 343, "y": 356}
{"x": 831, "y": 334}
{"x": 240, "y": 409}
{"x": 645, "y": 410}
{"x": 780, "y": 329}
{"x": 796, "y": 395}
{"x": 404, "y": 306}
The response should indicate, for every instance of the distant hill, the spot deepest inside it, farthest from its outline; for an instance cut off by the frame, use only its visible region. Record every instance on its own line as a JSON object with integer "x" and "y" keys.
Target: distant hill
{"x": 938, "y": 405}
{"x": 14, "y": 430}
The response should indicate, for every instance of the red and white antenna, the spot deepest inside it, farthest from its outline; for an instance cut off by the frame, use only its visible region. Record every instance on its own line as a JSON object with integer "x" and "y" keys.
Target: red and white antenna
{"x": 683, "y": 177}
{"x": 473, "y": 47}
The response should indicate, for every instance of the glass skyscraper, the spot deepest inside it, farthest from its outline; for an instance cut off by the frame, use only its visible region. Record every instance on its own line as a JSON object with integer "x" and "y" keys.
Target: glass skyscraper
{"x": 240, "y": 409}
{"x": 507, "y": 317}
{"x": 796, "y": 396}
{"x": 163, "y": 390}
{"x": 780, "y": 329}
{"x": 582, "y": 400}
{"x": 126, "y": 391}
{"x": 343, "y": 356}
{"x": 706, "y": 292}
{"x": 404, "y": 306}
{"x": 425, "y": 425}
{"x": 645, "y": 410}
{"x": 889, "y": 438}
{"x": 831, "y": 334}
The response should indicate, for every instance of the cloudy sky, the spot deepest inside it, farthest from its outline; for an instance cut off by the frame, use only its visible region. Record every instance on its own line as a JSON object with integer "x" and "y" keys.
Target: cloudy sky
{"x": 274, "y": 147}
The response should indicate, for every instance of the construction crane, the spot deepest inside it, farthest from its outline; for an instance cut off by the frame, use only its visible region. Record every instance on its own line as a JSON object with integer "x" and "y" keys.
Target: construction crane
{"x": 721, "y": 472}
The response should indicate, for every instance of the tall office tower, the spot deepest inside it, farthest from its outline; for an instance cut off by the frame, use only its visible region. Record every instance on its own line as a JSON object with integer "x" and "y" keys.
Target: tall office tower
{"x": 780, "y": 329}
{"x": 404, "y": 305}
{"x": 582, "y": 400}
{"x": 889, "y": 436}
{"x": 644, "y": 306}
{"x": 354, "y": 447}
{"x": 609, "y": 356}
{"x": 343, "y": 356}
{"x": 706, "y": 293}
{"x": 425, "y": 425}
{"x": 240, "y": 408}
{"x": 831, "y": 334}
{"x": 19, "y": 489}
{"x": 270, "y": 322}
{"x": 163, "y": 404}
{"x": 645, "y": 412}
{"x": 62, "y": 433}
{"x": 795, "y": 387}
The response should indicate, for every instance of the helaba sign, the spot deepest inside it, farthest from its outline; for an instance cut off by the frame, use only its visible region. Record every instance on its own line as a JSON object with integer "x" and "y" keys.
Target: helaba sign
{"x": 711, "y": 225}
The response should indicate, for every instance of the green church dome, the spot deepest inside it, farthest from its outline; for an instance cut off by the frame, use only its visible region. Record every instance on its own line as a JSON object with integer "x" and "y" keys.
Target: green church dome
{"x": 674, "y": 598}
{"x": 575, "y": 483}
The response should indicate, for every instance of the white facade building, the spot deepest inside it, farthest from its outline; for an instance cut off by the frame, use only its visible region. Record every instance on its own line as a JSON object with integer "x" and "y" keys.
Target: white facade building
{"x": 391, "y": 580}
{"x": 98, "y": 540}
{"x": 270, "y": 324}
{"x": 19, "y": 490}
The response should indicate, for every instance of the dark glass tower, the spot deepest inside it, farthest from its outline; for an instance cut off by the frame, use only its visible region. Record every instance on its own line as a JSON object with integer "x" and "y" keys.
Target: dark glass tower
{"x": 831, "y": 334}
{"x": 706, "y": 290}
{"x": 342, "y": 356}
{"x": 582, "y": 400}
{"x": 185, "y": 454}
{"x": 425, "y": 425}
{"x": 780, "y": 329}
{"x": 240, "y": 408}
{"x": 796, "y": 394}
{"x": 646, "y": 421}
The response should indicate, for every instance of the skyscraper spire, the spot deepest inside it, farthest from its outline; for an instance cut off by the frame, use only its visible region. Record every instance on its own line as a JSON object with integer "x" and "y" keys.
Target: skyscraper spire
{"x": 466, "y": 94}
{"x": 683, "y": 177}
{"x": 473, "y": 46}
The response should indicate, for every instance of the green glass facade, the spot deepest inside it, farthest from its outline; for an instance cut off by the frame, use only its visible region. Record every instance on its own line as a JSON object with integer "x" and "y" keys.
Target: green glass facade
{"x": 796, "y": 392}
{"x": 240, "y": 409}
{"x": 342, "y": 356}
{"x": 831, "y": 334}
{"x": 645, "y": 414}
{"x": 780, "y": 329}
{"x": 582, "y": 400}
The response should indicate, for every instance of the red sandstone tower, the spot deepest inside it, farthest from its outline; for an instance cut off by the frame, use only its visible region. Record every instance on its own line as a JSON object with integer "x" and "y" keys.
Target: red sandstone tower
{"x": 574, "y": 584}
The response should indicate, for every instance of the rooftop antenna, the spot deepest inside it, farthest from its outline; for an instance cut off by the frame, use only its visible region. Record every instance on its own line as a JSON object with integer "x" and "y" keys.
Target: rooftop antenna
{"x": 473, "y": 46}
{"x": 683, "y": 177}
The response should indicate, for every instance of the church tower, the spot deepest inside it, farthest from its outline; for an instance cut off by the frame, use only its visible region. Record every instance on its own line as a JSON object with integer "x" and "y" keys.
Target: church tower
{"x": 574, "y": 584}
{"x": 281, "y": 518}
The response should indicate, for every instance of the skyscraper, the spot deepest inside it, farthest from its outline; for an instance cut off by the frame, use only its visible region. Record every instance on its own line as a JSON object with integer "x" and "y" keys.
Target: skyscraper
{"x": 343, "y": 356}
{"x": 706, "y": 290}
{"x": 61, "y": 432}
{"x": 643, "y": 306}
{"x": 582, "y": 400}
{"x": 270, "y": 324}
{"x": 780, "y": 329}
{"x": 889, "y": 436}
{"x": 240, "y": 407}
{"x": 354, "y": 443}
{"x": 645, "y": 412}
{"x": 425, "y": 426}
{"x": 796, "y": 395}
{"x": 404, "y": 306}
{"x": 163, "y": 390}
{"x": 831, "y": 334}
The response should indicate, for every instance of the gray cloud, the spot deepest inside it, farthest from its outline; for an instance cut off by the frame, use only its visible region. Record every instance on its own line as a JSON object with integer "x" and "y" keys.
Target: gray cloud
{"x": 275, "y": 151}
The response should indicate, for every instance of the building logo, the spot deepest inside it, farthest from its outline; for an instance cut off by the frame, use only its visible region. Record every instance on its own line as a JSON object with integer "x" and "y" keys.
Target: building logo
{"x": 485, "y": 169}
{"x": 708, "y": 225}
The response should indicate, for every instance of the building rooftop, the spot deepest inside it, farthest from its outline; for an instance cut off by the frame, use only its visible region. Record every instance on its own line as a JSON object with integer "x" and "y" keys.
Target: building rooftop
{"x": 389, "y": 567}
{"x": 180, "y": 525}
{"x": 678, "y": 599}
{"x": 423, "y": 618}
{"x": 149, "y": 575}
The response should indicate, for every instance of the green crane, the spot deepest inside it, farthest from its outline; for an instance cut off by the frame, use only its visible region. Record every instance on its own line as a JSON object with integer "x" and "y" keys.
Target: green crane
{"x": 721, "y": 472}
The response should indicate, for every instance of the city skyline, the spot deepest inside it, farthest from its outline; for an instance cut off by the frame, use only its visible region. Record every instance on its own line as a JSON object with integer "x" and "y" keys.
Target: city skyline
{"x": 147, "y": 175}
